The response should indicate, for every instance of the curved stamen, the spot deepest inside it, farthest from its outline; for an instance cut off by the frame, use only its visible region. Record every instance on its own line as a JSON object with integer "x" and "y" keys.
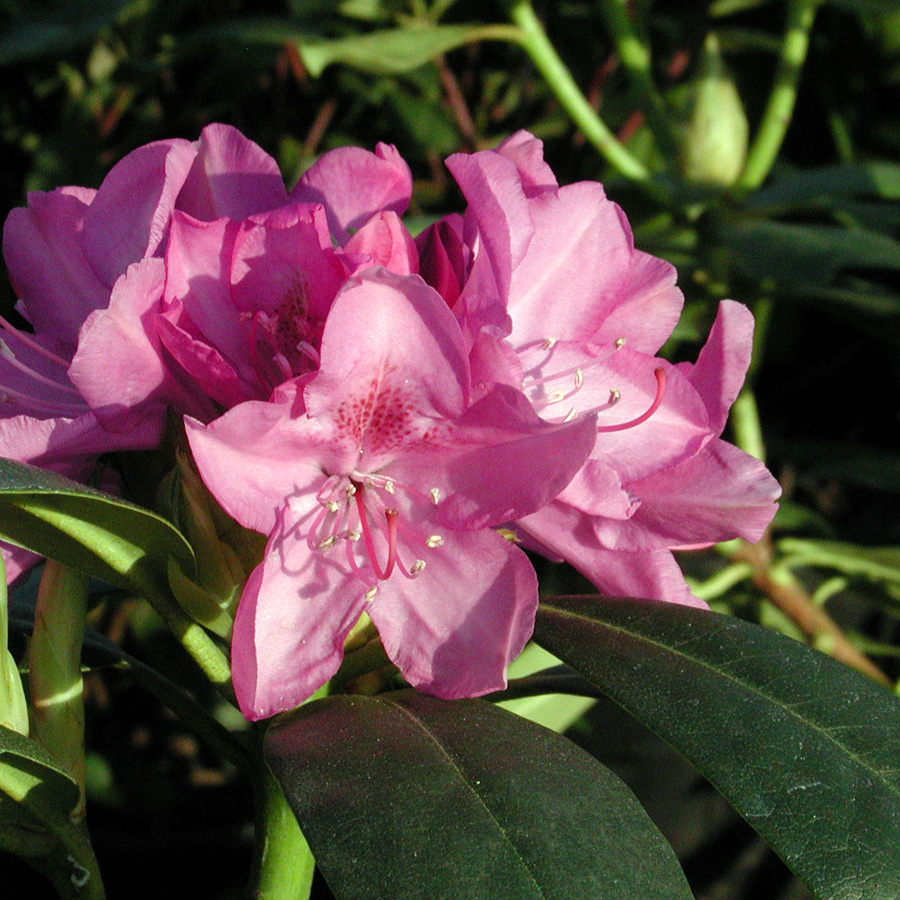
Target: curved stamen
{"x": 66, "y": 410}
{"x": 391, "y": 517}
{"x": 654, "y": 406}
{"x": 7, "y": 354}
{"x": 28, "y": 341}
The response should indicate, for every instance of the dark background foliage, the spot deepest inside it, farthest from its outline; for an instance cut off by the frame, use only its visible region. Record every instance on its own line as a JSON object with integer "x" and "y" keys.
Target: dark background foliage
{"x": 815, "y": 251}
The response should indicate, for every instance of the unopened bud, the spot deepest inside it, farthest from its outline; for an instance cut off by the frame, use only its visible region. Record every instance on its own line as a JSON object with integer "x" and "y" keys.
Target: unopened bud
{"x": 715, "y": 140}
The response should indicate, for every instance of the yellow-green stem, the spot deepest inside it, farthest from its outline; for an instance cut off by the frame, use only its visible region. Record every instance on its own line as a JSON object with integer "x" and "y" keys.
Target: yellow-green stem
{"x": 780, "y": 107}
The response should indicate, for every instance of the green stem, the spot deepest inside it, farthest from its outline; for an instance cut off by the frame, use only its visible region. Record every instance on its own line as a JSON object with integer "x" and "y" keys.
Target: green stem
{"x": 285, "y": 865}
{"x": 635, "y": 56}
{"x": 780, "y": 108}
{"x": 534, "y": 41}
{"x": 746, "y": 425}
{"x": 54, "y": 665}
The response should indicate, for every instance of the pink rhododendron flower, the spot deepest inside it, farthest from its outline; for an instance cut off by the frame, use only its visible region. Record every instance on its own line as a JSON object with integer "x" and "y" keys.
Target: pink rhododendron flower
{"x": 379, "y": 480}
{"x": 556, "y": 300}
{"x": 250, "y": 273}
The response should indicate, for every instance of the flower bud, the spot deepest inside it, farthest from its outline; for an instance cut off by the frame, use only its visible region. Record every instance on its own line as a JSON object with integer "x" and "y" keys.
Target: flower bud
{"x": 714, "y": 144}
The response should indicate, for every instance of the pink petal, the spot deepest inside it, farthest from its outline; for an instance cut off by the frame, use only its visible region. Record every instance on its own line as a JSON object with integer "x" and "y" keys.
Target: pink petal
{"x": 392, "y": 365}
{"x": 443, "y": 257}
{"x": 527, "y": 152}
{"x": 204, "y": 365}
{"x": 499, "y": 462}
{"x": 353, "y": 184}
{"x": 231, "y": 177}
{"x": 48, "y": 269}
{"x": 71, "y": 446}
{"x": 118, "y": 366}
{"x": 198, "y": 273}
{"x": 280, "y": 266}
{"x": 455, "y": 627}
{"x": 567, "y": 534}
{"x": 576, "y": 270}
{"x": 719, "y": 372}
{"x": 676, "y": 431}
{"x": 129, "y": 217}
{"x": 17, "y": 561}
{"x": 255, "y": 455}
{"x": 500, "y": 211}
{"x": 719, "y": 494}
{"x": 387, "y": 243}
{"x": 294, "y": 615}
{"x": 648, "y": 309}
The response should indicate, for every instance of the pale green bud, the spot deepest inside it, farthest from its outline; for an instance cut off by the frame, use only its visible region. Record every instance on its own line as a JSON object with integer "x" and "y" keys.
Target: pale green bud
{"x": 714, "y": 143}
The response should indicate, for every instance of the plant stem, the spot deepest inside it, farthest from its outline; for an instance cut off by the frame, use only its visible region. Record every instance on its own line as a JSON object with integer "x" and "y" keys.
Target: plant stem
{"x": 746, "y": 425}
{"x": 635, "y": 56}
{"x": 285, "y": 865}
{"x": 534, "y": 41}
{"x": 780, "y": 107}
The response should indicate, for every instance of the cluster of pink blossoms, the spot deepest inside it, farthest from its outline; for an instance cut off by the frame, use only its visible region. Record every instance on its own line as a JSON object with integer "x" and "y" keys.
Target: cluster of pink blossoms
{"x": 398, "y": 415}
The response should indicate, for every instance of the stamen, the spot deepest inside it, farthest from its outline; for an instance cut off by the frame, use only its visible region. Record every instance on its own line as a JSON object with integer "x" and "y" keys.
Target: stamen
{"x": 14, "y": 361}
{"x": 549, "y": 343}
{"x": 654, "y": 406}
{"x": 620, "y": 343}
{"x": 309, "y": 351}
{"x": 435, "y": 496}
{"x": 370, "y": 593}
{"x": 391, "y": 516}
{"x": 8, "y": 395}
{"x": 417, "y": 567}
{"x": 570, "y": 415}
{"x": 434, "y": 540}
{"x": 28, "y": 341}
{"x": 614, "y": 396}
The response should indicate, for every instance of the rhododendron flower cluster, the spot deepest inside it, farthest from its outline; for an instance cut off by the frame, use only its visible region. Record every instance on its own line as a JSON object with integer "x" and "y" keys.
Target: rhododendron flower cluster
{"x": 399, "y": 416}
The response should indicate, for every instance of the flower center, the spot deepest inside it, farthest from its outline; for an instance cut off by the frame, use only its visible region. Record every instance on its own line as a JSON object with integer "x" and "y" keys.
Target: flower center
{"x": 541, "y": 391}
{"x": 359, "y": 512}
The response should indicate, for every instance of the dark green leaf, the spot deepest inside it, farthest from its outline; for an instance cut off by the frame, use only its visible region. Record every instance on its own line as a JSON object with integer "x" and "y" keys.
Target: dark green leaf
{"x": 804, "y": 748}
{"x": 807, "y": 255}
{"x": 873, "y": 179}
{"x": 57, "y": 27}
{"x": 93, "y": 532}
{"x": 406, "y": 797}
{"x": 36, "y": 797}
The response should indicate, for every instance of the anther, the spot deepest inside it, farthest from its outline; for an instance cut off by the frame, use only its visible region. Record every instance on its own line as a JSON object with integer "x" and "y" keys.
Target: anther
{"x": 620, "y": 343}
{"x": 417, "y": 567}
{"x": 549, "y": 343}
{"x": 370, "y": 593}
{"x": 435, "y": 496}
{"x": 331, "y": 505}
{"x": 389, "y": 486}
{"x": 614, "y": 396}
{"x": 326, "y": 544}
{"x": 570, "y": 415}
{"x": 434, "y": 540}
{"x": 654, "y": 406}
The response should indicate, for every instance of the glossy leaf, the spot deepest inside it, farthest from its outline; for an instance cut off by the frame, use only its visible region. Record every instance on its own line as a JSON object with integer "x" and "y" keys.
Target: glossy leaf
{"x": 406, "y": 797}
{"x": 90, "y": 531}
{"x": 36, "y": 798}
{"x": 804, "y": 748}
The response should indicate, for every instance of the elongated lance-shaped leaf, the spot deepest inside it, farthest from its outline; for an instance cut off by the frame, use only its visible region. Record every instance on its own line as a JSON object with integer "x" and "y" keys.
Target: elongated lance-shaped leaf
{"x": 85, "y": 529}
{"x": 806, "y": 749}
{"x": 37, "y": 797}
{"x": 109, "y": 538}
{"x": 406, "y": 797}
